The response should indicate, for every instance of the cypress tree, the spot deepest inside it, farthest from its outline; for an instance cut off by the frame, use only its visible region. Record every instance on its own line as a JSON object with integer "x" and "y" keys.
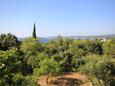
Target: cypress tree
{"x": 34, "y": 31}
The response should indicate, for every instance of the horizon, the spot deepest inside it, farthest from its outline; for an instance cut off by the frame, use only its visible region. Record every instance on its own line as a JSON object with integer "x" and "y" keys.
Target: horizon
{"x": 69, "y": 36}
{"x": 59, "y": 17}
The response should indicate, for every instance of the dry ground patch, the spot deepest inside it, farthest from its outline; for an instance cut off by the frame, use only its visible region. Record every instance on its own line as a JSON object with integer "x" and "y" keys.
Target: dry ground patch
{"x": 67, "y": 79}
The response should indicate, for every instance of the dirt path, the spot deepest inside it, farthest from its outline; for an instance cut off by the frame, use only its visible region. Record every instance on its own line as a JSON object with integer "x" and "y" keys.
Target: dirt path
{"x": 68, "y": 79}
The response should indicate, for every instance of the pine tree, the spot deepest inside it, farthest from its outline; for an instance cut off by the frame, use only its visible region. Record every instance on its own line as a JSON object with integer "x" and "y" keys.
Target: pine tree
{"x": 34, "y": 31}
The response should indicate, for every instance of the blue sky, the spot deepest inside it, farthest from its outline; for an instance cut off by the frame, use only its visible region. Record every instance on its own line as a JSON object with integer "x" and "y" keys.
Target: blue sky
{"x": 57, "y": 17}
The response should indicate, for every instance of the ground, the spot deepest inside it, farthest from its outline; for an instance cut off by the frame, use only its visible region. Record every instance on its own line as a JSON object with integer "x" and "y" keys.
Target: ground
{"x": 68, "y": 79}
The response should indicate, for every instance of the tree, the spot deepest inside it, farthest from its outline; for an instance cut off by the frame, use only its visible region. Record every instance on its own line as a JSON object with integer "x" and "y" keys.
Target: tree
{"x": 8, "y": 66}
{"x": 31, "y": 46}
{"x": 51, "y": 48}
{"x": 49, "y": 67}
{"x": 34, "y": 32}
{"x": 109, "y": 47}
{"x": 34, "y": 60}
{"x": 65, "y": 61}
{"x": 98, "y": 67}
{"x": 31, "y": 49}
{"x": 94, "y": 47}
{"x": 7, "y": 41}
{"x": 19, "y": 80}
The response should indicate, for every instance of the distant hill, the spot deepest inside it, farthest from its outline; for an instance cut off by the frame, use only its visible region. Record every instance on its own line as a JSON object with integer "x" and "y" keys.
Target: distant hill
{"x": 93, "y": 37}
{"x": 80, "y": 37}
{"x": 46, "y": 39}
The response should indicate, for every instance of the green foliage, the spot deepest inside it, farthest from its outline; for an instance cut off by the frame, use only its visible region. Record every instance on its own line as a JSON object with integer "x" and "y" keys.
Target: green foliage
{"x": 84, "y": 47}
{"x": 49, "y": 66}
{"x": 58, "y": 45}
{"x": 51, "y": 48}
{"x": 20, "y": 80}
{"x": 109, "y": 47}
{"x": 77, "y": 48}
{"x": 8, "y": 65}
{"x": 7, "y": 41}
{"x": 30, "y": 46}
{"x": 25, "y": 68}
{"x": 32, "y": 80}
{"x": 98, "y": 67}
{"x": 32, "y": 50}
{"x": 76, "y": 63}
{"x": 34, "y": 60}
{"x": 22, "y": 64}
{"x": 81, "y": 48}
{"x": 65, "y": 61}
{"x": 94, "y": 47}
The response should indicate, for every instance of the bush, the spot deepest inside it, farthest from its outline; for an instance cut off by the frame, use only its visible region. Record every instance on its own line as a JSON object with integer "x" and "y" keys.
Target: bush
{"x": 32, "y": 80}
{"x": 20, "y": 80}
{"x": 98, "y": 67}
{"x": 109, "y": 47}
{"x": 49, "y": 67}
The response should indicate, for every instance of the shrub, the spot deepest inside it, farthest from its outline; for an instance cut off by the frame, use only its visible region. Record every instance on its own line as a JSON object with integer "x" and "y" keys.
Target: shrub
{"x": 49, "y": 67}
{"x": 20, "y": 80}
{"x": 98, "y": 67}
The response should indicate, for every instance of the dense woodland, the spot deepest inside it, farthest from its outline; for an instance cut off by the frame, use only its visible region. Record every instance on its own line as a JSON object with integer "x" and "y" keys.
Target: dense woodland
{"x": 23, "y": 62}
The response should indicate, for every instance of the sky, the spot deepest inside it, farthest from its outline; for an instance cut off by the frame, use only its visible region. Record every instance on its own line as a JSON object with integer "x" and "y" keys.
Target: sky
{"x": 57, "y": 17}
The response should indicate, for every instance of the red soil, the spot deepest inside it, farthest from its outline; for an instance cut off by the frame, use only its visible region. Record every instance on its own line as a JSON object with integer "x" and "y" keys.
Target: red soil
{"x": 68, "y": 79}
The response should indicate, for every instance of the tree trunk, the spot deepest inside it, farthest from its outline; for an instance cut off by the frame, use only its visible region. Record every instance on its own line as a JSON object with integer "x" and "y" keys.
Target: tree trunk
{"x": 47, "y": 79}
{"x": 99, "y": 82}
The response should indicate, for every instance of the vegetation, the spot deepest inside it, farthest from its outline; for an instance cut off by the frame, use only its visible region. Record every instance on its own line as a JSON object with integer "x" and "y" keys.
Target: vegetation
{"x": 34, "y": 32}
{"x": 98, "y": 67}
{"x": 23, "y": 62}
{"x": 49, "y": 67}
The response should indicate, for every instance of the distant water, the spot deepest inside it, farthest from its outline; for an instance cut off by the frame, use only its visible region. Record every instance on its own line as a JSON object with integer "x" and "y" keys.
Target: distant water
{"x": 43, "y": 40}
